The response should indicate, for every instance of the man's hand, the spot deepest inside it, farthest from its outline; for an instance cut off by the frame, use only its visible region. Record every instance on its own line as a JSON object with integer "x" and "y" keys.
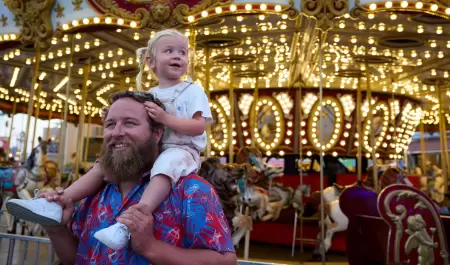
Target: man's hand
{"x": 66, "y": 203}
{"x": 156, "y": 113}
{"x": 139, "y": 220}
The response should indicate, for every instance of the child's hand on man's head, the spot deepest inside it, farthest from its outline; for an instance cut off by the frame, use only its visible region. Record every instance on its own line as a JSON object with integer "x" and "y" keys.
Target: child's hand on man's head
{"x": 155, "y": 112}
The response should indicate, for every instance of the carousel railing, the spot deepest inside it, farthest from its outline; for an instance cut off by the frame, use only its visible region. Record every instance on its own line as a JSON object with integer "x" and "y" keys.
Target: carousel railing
{"x": 18, "y": 253}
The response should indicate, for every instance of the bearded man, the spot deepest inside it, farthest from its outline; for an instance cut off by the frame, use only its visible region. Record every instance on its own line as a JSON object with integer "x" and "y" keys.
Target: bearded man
{"x": 188, "y": 228}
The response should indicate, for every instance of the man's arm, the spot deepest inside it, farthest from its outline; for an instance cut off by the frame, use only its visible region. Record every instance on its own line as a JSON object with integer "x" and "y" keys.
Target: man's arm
{"x": 63, "y": 240}
{"x": 64, "y": 243}
{"x": 165, "y": 254}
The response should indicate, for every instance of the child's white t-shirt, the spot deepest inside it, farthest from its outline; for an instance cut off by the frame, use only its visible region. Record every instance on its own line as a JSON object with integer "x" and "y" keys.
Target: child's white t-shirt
{"x": 190, "y": 98}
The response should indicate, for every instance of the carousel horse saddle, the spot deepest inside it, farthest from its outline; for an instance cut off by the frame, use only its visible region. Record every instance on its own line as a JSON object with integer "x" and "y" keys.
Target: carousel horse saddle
{"x": 7, "y": 177}
{"x": 339, "y": 188}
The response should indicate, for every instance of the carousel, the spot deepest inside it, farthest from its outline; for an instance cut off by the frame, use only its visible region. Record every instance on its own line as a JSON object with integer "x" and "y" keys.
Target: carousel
{"x": 312, "y": 101}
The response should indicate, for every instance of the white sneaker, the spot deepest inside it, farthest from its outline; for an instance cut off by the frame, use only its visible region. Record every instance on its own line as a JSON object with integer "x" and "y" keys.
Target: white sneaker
{"x": 38, "y": 211}
{"x": 116, "y": 236}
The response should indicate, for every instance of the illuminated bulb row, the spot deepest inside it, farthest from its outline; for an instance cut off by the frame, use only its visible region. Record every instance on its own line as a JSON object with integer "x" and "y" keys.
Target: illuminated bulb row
{"x": 233, "y": 8}
{"x": 308, "y": 102}
{"x": 286, "y": 102}
{"x": 96, "y": 20}
{"x": 347, "y": 104}
{"x": 365, "y": 107}
{"x": 8, "y": 37}
{"x": 225, "y": 103}
{"x": 245, "y": 102}
{"x": 395, "y": 108}
{"x": 104, "y": 89}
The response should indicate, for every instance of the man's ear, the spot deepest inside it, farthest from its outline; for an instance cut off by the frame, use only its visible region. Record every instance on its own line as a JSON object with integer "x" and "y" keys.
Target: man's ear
{"x": 157, "y": 134}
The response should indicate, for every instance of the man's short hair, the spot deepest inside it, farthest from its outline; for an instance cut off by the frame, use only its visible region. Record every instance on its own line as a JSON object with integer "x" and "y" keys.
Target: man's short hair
{"x": 140, "y": 97}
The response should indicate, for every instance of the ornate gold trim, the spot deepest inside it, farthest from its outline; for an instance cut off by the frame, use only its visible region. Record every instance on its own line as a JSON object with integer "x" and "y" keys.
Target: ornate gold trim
{"x": 401, "y": 212}
{"x": 4, "y": 21}
{"x": 324, "y": 11}
{"x": 160, "y": 15}
{"x": 35, "y": 18}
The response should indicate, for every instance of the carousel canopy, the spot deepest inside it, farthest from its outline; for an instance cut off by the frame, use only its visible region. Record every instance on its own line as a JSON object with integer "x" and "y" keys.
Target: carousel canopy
{"x": 397, "y": 50}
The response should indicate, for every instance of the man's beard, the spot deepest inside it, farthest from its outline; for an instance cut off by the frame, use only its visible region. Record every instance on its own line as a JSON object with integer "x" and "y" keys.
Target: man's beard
{"x": 129, "y": 164}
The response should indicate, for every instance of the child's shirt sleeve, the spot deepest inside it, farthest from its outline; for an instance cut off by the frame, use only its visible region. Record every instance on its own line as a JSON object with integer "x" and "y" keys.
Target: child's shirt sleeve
{"x": 198, "y": 102}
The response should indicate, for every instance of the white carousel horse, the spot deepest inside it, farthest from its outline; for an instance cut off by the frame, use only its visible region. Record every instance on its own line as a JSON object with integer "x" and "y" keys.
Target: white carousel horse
{"x": 32, "y": 176}
{"x": 335, "y": 219}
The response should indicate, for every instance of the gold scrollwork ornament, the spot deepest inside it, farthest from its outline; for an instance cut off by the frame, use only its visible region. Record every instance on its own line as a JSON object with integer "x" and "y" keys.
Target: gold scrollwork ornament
{"x": 161, "y": 15}
{"x": 35, "y": 18}
{"x": 325, "y": 11}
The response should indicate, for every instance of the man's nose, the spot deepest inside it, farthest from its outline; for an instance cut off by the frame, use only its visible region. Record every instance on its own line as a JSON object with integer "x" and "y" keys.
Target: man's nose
{"x": 118, "y": 130}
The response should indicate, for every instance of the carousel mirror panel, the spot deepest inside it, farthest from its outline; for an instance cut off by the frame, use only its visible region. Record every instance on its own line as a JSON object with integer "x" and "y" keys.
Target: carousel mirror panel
{"x": 219, "y": 128}
{"x": 267, "y": 123}
{"x": 331, "y": 118}
{"x": 377, "y": 127}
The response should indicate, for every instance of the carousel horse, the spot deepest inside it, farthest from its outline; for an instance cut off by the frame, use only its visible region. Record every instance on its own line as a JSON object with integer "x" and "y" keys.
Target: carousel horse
{"x": 224, "y": 178}
{"x": 264, "y": 173}
{"x": 34, "y": 175}
{"x": 258, "y": 197}
{"x": 300, "y": 191}
{"x": 284, "y": 195}
{"x": 335, "y": 219}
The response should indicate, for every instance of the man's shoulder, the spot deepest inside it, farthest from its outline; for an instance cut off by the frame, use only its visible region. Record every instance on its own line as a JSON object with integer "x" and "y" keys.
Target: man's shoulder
{"x": 193, "y": 181}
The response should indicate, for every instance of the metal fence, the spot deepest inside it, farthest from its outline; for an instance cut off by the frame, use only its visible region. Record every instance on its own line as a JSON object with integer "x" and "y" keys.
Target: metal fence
{"x": 246, "y": 262}
{"x": 25, "y": 250}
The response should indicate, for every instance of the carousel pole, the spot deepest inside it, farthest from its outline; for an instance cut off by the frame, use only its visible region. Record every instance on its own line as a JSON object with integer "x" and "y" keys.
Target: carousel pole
{"x": 88, "y": 134}
{"x": 192, "y": 42}
{"x": 371, "y": 132}
{"x": 63, "y": 128}
{"x": 49, "y": 120}
{"x": 11, "y": 128}
{"x": 301, "y": 164}
{"x": 231, "y": 119}
{"x": 322, "y": 206}
{"x": 208, "y": 94}
{"x": 36, "y": 113}
{"x": 358, "y": 130}
{"x": 37, "y": 58}
{"x": 422, "y": 148}
{"x": 60, "y": 150}
{"x": 81, "y": 120}
{"x": 394, "y": 125}
{"x": 254, "y": 120}
{"x": 443, "y": 136}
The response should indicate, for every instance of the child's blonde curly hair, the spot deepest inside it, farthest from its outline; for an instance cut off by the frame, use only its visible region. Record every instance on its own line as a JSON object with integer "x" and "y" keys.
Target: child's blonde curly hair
{"x": 150, "y": 52}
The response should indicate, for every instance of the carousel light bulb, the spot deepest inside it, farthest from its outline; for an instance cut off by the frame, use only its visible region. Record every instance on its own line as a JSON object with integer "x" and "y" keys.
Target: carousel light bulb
{"x": 420, "y": 29}
{"x": 371, "y": 16}
{"x": 439, "y": 30}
